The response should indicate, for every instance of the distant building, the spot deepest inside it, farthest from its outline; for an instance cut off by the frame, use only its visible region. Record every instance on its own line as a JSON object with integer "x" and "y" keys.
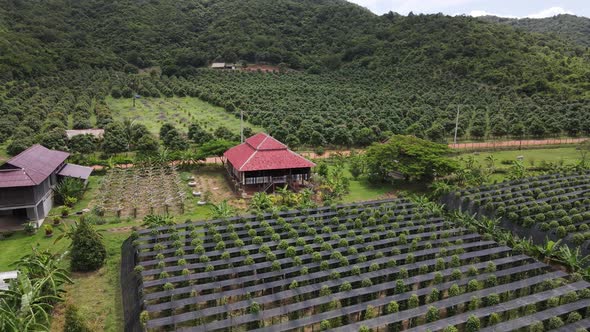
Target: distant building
{"x": 27, "y": 182}
{"x": 223, "y": 65}
{"x": 98, "y": 133}
{"x": 262, "y": 163}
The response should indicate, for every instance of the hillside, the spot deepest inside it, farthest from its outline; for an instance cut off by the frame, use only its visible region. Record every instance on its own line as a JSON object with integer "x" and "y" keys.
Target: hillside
{"x": 569, "y": 27}
{"x": 357, "y": 77}
{"x": 41, "y": 37}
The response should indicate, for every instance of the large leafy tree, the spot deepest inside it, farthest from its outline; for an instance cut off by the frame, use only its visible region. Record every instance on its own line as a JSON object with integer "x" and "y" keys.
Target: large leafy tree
{"x": 414, "y": 158}
{"x": 83, "y": 144}
{"x": 115, "y": 138}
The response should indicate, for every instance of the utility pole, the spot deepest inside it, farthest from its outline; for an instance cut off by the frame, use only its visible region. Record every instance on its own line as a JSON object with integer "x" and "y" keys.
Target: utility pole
{"x": 456, "y": 126}
{"x": 241, "y": 125}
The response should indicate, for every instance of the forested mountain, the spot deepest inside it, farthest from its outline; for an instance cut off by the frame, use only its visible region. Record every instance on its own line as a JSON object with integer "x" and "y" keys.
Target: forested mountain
{"x": 39, "y": 37}
{"x": 569, "y": 27}
{"x": 357, "y": 77}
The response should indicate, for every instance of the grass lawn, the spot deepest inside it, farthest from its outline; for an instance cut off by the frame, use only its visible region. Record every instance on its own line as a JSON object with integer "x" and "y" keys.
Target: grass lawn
{"x": 530, "y": 157}
{"x": 153, "y": 112}
{"x": 362, "y": 190}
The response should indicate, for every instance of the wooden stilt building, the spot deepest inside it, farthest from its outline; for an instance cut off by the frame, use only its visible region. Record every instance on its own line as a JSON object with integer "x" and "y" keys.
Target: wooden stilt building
{"x": 262, "y": 163}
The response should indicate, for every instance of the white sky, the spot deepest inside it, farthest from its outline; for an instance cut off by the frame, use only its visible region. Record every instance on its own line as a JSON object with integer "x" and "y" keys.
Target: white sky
{"x": 504, "y": 8}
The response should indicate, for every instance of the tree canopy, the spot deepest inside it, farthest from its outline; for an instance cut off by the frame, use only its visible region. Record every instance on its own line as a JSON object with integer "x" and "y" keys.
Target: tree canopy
{"x": 411, "y": 157}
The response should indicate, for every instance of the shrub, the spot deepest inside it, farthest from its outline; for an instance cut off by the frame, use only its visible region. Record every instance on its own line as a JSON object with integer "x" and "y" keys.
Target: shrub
{"x": 561, "y": 231}
{"x": 65, "y": 211}
{"x": 30, "y": 228}
{"x": 473, "y": 324}
{"x": 88, "y": 252}
{"x": 74, "y": 322}
{"x": 69, "y": 187}
{"x": 554, "y": 323}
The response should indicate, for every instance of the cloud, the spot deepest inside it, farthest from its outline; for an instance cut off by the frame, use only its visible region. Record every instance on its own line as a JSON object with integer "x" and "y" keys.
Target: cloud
{"x": 549, "y": 12}
{"x": 405, "y": 6}
{"x": 477, "y": 13}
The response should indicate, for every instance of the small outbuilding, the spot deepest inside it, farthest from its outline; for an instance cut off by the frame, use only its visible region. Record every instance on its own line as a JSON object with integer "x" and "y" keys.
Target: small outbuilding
{"x": 223, "y": 65}
{"x": 97, "y": 133}
{"x": 262, "y": 163}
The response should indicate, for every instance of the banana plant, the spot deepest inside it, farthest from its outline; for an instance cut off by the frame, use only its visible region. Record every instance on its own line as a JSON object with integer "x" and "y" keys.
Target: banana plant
{"x": 548, "y": 251}
{"x": 572, "y": 259}
{"x": 222, "y": 210}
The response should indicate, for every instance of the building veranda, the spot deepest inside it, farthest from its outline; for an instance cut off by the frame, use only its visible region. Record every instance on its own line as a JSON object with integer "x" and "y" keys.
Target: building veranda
{"x": 262, "y": 164}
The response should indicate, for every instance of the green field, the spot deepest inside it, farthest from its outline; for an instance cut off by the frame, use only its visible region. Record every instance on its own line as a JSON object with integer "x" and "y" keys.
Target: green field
{"x": 181, "y": 112}
{"x": 530, "y": 157}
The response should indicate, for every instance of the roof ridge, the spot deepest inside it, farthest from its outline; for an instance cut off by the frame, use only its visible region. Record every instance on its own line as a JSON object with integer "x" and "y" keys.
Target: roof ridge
{"x": 247, "y": 160}
{"x": 300, "y": 156}
{"x": 27, "y": 174}
{"x": 264, "y": 140}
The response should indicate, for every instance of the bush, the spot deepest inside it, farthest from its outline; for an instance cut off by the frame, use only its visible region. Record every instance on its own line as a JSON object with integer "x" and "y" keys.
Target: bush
{"x": 30, "y": 228}
{"x": 65, "y": 211}
{"x": 69, "y": 187}
{"x": 554, "y": 323}
{"x": 74, "y": 322}
{"x": 473, "y": 324}
{"x": 561, "y": 231}
{"x": 88, "y": 252}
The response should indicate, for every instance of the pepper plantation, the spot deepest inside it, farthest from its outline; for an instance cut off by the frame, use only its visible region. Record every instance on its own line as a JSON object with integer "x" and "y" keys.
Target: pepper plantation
{"x": 554, "y": 206}
{"x": 386, "y": 265}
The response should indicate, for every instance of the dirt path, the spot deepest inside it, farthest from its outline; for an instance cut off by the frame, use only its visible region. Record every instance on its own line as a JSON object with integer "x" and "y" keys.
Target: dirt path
{"x": 459, "y": 146}
{"x": 523, "y": 143}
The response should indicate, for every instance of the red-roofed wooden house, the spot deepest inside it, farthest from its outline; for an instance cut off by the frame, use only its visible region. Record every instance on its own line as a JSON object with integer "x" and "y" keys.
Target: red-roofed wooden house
{"x": 28, "y": 179}
{"x": 262, "y": 163}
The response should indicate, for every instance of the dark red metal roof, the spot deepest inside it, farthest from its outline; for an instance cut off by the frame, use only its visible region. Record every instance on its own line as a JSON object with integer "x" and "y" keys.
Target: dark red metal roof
{"x": 76, "y": 171}
{"x": 31, "y": 167}
{"x": 263, "y": 152}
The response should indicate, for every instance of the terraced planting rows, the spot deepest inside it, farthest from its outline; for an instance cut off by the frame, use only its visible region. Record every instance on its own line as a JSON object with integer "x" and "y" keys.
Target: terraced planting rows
{"x": 383, "y": 265}
{"x": 556, "y": 206}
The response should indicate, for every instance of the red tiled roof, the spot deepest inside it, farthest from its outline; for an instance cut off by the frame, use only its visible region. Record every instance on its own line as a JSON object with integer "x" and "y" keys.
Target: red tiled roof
{"x": 31, "y": 167}
{"x": 263, "y": 152}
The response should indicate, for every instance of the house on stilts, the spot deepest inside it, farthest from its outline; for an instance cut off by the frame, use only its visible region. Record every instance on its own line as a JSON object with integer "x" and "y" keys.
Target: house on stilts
{"x": 262, "y": 163}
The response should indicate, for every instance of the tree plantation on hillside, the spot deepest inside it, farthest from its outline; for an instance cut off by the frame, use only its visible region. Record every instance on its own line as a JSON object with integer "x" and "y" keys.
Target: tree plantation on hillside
{"x": 345, "y": 108}
{"x": 379, "y": 265}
